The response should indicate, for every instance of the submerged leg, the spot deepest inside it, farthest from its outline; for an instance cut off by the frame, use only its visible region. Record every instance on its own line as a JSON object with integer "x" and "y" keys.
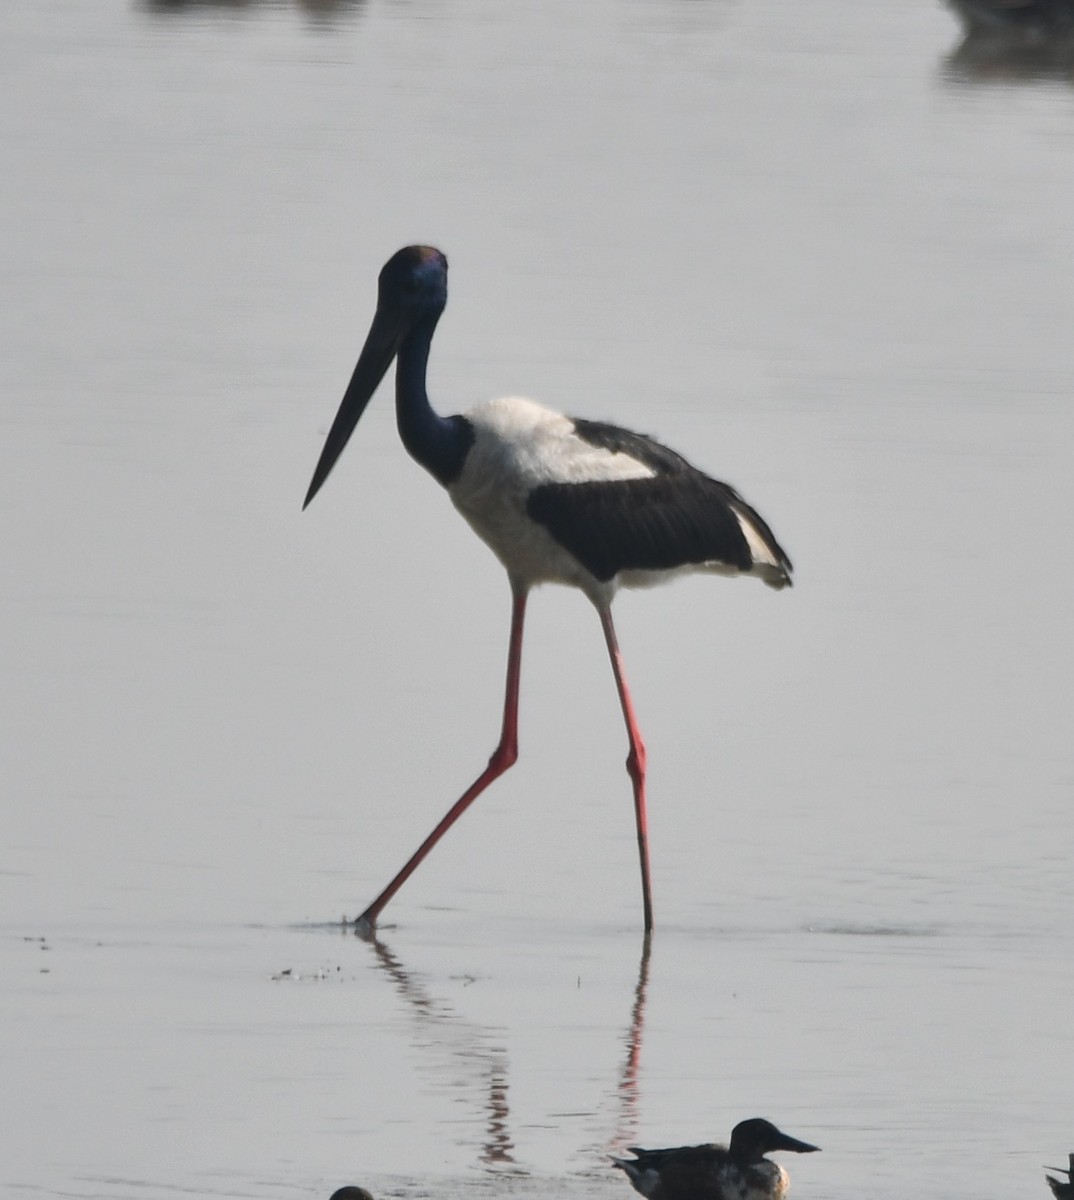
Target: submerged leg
{"x": 504, "y": 756}
{"x": 635, "y": 762}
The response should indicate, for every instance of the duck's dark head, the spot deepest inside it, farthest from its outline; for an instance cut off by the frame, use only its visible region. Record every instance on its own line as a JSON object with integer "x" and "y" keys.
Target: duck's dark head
{"x": 751, "y": 1140}
{"x": 411, "y": 294}
{"x": 350, "y": 1192}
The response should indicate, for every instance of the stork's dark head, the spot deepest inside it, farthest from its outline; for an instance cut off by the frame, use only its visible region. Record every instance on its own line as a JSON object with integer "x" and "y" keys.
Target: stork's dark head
{"x": 411, "y": 295}
{"x": 413, "y": 280}
{"x": 751, "y": 1140}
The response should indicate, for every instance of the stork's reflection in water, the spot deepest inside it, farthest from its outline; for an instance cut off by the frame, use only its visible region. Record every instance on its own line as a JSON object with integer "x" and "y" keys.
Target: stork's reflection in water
{"x": 467, "y": 1044}
{"x": 480, "y": 1065}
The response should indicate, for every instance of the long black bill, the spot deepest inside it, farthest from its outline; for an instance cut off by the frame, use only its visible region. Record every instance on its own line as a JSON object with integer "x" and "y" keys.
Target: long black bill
{"x": 789, "y": 1143}
{"x": 381, "y": 346}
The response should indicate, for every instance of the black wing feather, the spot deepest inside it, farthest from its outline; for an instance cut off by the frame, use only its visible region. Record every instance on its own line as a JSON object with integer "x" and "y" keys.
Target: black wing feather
{"x": 678, "y": 517}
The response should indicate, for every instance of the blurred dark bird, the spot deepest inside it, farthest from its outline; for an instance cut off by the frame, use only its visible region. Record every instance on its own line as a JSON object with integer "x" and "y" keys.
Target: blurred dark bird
{"x": 350, "y": 1192}
{"x": 1032, "y": 18}
{"x": 738, "y": 1171}
{"x": 556, "y": 499}
{"x": 1061, "y": 1190}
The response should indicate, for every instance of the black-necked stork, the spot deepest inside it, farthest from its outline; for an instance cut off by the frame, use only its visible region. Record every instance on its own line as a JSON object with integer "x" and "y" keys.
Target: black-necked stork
{"x": 558, "y": 500}
{"x": 738, "y": 1171}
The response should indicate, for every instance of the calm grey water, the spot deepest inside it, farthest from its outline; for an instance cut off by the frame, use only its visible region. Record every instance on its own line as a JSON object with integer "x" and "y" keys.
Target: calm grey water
{"x": 816, "y": 247}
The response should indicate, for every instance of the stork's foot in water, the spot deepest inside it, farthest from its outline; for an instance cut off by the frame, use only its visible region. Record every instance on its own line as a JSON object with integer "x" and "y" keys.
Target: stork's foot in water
{"x": 365, "y": 927}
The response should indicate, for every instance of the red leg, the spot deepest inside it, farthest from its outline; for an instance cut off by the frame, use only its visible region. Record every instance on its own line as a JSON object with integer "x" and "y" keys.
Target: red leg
{"x": 504, "y": 756}
{"x": 635, "y": 762}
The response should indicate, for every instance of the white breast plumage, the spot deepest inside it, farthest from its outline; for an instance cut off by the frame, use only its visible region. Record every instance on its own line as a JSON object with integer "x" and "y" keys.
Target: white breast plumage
{"x": 518, "y": 446}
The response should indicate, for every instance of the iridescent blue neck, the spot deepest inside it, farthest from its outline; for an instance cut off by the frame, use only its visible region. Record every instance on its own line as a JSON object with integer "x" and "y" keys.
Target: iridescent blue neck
{"x": 440, "y": 444}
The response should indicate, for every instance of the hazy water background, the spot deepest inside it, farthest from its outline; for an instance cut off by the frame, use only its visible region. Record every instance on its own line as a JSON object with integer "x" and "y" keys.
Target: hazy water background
{"x": 811, "y": 245}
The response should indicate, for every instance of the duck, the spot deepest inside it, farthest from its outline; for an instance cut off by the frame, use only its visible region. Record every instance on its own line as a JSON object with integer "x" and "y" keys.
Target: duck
{"x": 1061, "y": 1190}
{"x": 738, "y": 1171}
{"x": 350, "y": 1192}
{"x": 1032, "y": 18}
